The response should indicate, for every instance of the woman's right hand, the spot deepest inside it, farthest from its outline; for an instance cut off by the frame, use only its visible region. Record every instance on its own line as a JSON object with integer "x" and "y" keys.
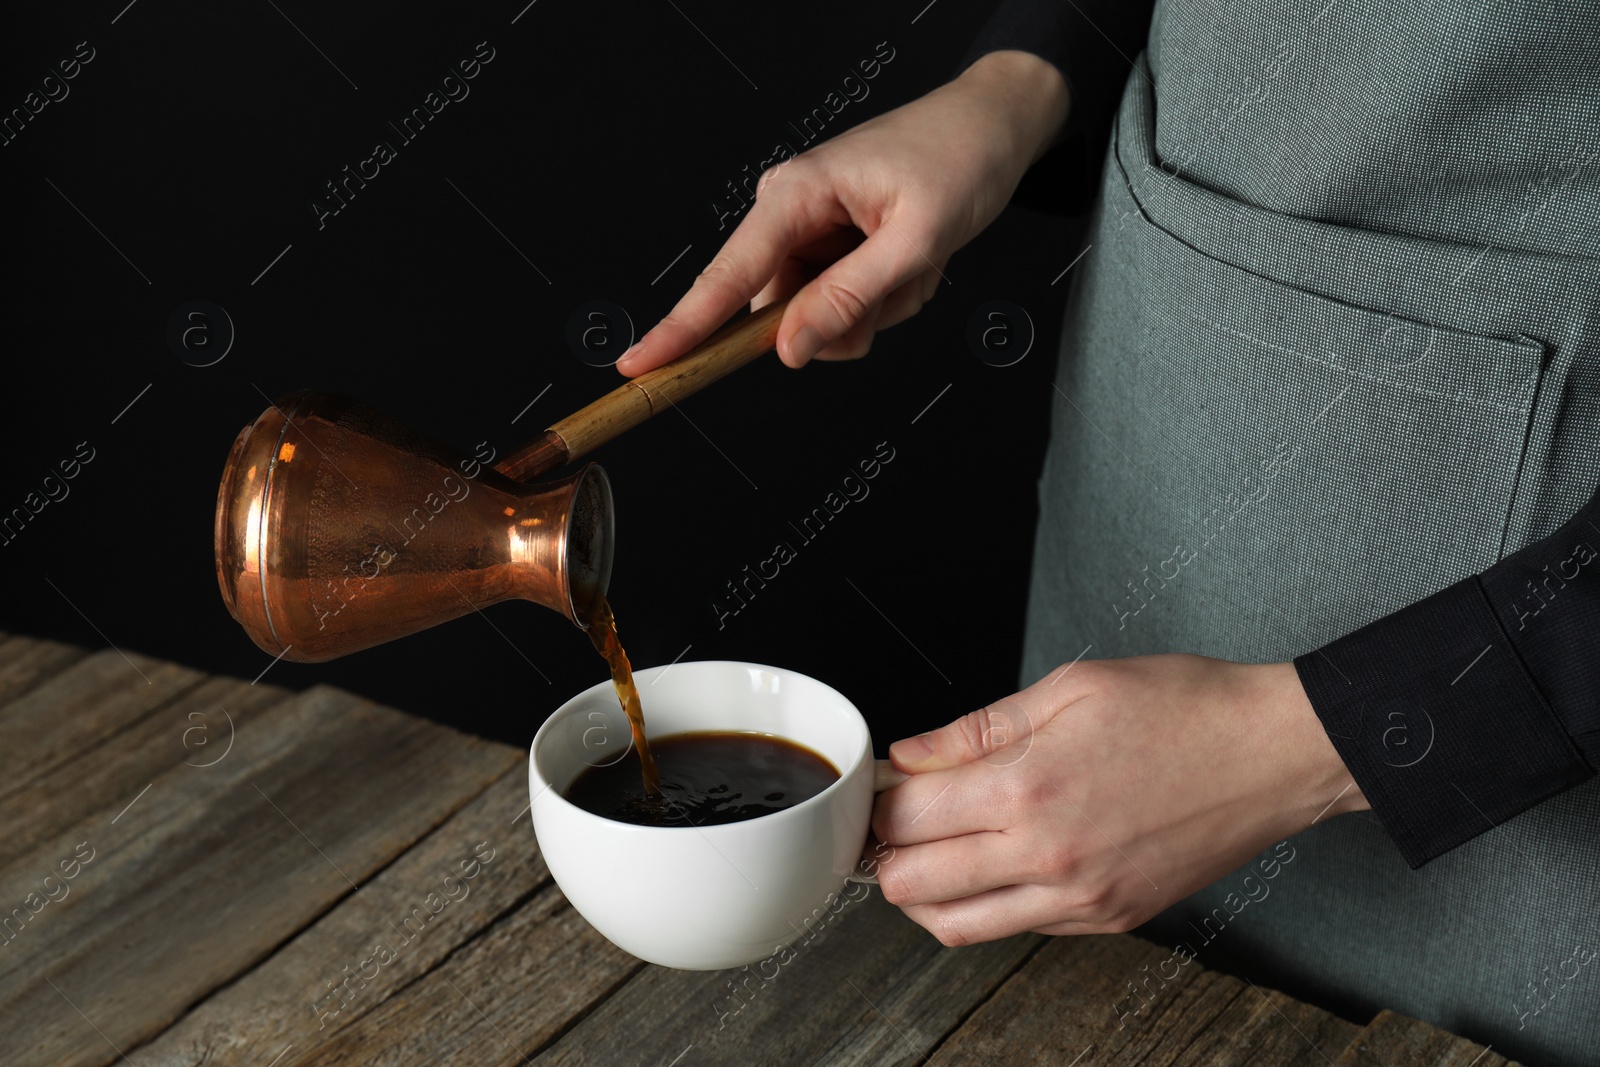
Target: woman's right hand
{"x": 860, "y": 227}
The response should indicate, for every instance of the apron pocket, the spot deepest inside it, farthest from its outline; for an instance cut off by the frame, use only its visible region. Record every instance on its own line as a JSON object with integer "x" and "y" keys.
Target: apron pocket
{"x": 1335, "y": 458}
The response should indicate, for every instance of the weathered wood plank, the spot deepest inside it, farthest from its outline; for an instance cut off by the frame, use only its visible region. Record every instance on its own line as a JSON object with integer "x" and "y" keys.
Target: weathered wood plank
{"x": 194, "y": 729}
{"x": 274, "y": 1009}
{"x": 864, "y": 985}
{"x": 80, "y": 708}
{"x": 1111, "y": 994}
{"x": 27, "y": 661}
{"x": 127, "y": 836}
{"x": 210, "y": 870}
{"x": 1393, "y": 1040}
{"x": 1257, "y": 1026}
{"x": 212, "y": 918}
{"x": 931, "y": 989}
{"x": 497, "y": 1001}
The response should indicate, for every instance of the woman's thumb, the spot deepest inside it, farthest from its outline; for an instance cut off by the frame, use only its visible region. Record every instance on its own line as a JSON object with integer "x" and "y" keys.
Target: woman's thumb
{"x": 846, "y": 294}
{"x": 1004, "y": 727}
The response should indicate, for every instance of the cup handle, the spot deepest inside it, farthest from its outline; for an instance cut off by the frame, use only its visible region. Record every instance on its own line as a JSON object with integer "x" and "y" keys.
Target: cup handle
{"x": 884, "y": 776}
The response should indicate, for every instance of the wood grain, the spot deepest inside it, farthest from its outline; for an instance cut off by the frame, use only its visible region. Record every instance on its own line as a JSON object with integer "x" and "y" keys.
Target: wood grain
{"x": 274, "y": 1009}
{"x": 27, "y": 661}
{"x": 82, "y": 707}
{"x": 1393, "y": 1040}
{"x": 868, "y": 986}
{"x": 212, "y": 869}
{"x": 192, "y": 729}
{"x": 231, "y": 911}
{"x": 499, "y": 1000}
{"x": 1074, "y": 996}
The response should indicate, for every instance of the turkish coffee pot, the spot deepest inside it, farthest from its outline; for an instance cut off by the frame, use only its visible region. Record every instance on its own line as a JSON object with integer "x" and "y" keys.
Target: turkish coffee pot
{"x": 339, "y": 528}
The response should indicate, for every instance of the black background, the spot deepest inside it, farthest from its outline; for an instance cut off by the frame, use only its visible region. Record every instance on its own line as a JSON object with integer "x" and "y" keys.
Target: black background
{"x": 595, "y": 143}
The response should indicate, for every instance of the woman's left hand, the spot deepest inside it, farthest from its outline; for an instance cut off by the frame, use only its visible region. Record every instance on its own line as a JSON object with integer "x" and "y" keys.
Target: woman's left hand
{"x": 1101, "y": 794}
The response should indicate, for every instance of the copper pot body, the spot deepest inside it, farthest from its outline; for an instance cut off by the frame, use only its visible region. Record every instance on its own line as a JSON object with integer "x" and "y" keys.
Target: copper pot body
{"x": 338, "y": 528}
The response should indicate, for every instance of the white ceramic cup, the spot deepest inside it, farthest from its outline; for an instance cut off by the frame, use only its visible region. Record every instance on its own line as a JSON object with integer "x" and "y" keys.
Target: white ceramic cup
{"x": 704, "y": 898}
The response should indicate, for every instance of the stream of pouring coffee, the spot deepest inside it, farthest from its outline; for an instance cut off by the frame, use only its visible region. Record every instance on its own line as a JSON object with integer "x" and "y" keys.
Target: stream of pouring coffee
{"x": 603, "y": 632}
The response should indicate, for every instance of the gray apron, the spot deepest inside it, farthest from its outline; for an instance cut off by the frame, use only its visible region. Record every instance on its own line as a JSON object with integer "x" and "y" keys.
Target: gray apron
{"x": 1334, "y": 348}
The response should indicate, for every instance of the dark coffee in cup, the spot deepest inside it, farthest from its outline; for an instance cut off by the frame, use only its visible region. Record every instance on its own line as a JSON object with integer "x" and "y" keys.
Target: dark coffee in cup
{"x": 707, "y": 778}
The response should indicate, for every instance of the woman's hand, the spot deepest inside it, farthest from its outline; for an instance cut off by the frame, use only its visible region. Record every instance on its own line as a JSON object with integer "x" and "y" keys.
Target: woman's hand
{"x": 885, "y": 203}
{"x": 1101, "y": 794}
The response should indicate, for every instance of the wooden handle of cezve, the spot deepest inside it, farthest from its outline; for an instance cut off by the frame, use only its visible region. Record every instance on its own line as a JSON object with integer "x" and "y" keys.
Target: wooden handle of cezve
{"x": 652, "y": 392}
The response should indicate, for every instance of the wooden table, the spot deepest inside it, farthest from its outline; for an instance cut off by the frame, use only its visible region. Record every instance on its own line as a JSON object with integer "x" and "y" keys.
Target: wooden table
{"x": 199, "y": 870}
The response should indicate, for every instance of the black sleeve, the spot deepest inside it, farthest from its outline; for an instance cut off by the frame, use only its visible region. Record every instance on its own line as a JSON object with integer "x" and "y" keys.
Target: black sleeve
{"x": 1460, "y": 711}
{"x": 1093, "y": 44}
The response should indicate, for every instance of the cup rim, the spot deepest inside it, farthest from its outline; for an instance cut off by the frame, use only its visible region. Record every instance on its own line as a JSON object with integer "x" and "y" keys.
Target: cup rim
{"x": 864, "y": 756}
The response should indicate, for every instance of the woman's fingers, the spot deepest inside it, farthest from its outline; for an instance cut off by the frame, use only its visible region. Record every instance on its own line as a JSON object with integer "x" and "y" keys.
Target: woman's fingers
{"x": 920, "y": 180}
{"x": 1001, "y": 733}
{"x": 940, "y": 804}
{"x": 804, "y": 263}
{"x": 998, "y": 913}
{"x": 842, "y": 296}
{"x": 856, "y": 341}
{"x": 751, "y": 257}
{"x": 907, "y": 300}
{"x": 952, "y": 868}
